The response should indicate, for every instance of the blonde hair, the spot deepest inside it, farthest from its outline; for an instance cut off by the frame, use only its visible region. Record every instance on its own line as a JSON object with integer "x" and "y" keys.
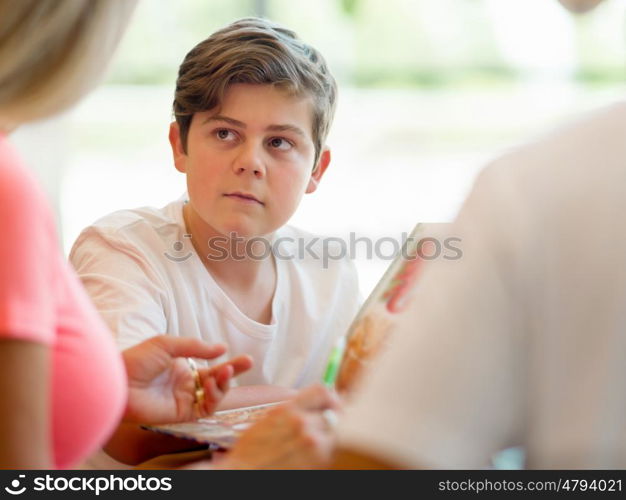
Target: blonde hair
{"x": 254, "y": 51}
{"x": 52, "y": 52}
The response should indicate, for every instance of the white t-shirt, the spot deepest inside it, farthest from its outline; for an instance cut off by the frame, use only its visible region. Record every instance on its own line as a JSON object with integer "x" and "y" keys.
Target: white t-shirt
{"x": 523, "y": 340}
{"x": 145, "y": 278}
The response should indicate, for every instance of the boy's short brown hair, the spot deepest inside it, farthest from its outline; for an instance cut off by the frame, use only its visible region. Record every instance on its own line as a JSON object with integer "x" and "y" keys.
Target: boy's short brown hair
{"x": 254, "y": 51}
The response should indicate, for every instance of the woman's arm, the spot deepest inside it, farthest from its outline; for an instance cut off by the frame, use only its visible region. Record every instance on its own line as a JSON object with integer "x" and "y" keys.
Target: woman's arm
{"x": 25, "y": 405}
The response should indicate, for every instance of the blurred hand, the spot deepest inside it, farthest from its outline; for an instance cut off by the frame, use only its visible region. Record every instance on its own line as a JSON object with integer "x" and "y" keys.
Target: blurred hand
{"x": 293, "y": 435}
{"x": 161, "y": 386}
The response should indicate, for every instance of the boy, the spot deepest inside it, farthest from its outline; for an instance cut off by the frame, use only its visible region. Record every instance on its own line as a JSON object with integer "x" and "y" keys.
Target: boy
{"x": 253, "y": 107}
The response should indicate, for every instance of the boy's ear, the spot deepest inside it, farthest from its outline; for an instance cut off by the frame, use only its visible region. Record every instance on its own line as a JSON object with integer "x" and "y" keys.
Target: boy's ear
{"x": 318, "y": 173}
{"x": 178, "y": 152}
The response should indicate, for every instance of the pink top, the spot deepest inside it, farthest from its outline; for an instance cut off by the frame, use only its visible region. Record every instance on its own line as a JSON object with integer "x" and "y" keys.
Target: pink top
{"x": 41, "y": 300}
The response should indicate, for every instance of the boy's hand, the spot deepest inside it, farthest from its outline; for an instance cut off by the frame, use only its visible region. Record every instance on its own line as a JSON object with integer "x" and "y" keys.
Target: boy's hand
{"x": 161, "y": 385}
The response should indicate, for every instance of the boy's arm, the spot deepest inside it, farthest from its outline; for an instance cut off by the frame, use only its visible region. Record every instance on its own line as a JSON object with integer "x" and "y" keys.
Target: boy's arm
{"x": 125, "y": 290}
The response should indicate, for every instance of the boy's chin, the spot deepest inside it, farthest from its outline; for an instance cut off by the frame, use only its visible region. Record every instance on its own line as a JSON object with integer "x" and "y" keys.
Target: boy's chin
{"x": 245, "y": 232}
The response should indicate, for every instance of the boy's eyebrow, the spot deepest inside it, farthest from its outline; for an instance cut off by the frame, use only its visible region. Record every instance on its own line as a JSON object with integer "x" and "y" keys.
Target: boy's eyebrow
{"x": 284, "y": 128}
{"x": 220, "y": 118}
{"x": 237, "y": 123}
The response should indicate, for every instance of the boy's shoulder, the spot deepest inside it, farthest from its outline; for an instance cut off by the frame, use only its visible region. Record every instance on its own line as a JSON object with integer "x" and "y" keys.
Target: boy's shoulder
{"x": 137, "y": 226}
{"x": 125, "y": 219}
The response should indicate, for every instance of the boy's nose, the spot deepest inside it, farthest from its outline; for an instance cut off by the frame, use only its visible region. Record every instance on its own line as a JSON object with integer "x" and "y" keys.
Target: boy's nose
{"x": 249, "y": 161}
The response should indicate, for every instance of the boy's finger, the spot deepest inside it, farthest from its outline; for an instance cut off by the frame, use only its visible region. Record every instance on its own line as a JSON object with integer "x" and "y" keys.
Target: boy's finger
{"x": 239, "y": 365}
{"x": 223, "y": 376}
{"x": 215, "y": 385}
{"x": 212, "y": 395}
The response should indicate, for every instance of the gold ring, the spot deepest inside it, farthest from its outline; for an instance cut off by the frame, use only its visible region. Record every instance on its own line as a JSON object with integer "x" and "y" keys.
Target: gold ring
{"x": 199, "y": 390}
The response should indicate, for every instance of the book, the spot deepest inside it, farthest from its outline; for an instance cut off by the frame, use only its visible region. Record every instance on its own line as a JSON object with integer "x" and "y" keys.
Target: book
{"x": 373, "y": 325}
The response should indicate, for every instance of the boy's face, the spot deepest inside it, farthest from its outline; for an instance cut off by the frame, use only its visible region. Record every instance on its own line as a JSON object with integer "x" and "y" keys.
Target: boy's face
{"x": 248, "y": 166}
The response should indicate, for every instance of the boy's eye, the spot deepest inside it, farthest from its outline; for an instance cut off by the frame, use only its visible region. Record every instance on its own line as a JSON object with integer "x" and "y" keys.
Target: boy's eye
{"x": 280, "y": 144}
{"x": 224, "y": 134}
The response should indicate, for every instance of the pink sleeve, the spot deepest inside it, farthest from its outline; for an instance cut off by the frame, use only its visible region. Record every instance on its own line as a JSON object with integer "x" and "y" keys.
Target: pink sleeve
{"x": 28, "y": 250}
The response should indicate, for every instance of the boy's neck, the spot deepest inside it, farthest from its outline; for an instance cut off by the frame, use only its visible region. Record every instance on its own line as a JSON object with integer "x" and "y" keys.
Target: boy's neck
{"x": 250, "y": 282}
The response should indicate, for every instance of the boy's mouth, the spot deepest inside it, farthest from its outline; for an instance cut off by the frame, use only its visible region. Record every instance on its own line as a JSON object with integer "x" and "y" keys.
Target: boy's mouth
{"x": 245, "y": 197}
